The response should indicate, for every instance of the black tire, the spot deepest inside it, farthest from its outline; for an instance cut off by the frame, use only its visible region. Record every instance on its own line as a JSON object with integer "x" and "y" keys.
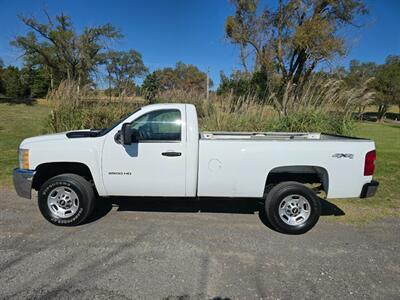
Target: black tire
{"x": 285, "y": 189}
{"x": 83, "y": 190}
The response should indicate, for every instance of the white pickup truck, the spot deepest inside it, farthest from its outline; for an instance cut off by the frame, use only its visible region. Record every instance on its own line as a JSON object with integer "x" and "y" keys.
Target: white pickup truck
{"x": 158, "y": 151}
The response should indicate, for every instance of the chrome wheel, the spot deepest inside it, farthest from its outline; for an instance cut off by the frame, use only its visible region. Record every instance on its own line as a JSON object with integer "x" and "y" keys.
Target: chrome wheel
{"x": 63, "y": 202}
{"x": 294, "y": 210}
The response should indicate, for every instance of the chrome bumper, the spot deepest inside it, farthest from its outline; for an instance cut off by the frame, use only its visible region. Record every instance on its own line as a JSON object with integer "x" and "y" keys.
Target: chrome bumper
{"x": 23, "y": 182}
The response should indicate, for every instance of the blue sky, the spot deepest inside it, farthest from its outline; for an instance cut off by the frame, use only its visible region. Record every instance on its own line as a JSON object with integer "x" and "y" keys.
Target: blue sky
{"x": 167, "y": 31}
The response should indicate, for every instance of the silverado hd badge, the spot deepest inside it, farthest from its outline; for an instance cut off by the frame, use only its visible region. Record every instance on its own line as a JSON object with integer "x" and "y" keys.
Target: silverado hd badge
{"x": 119, "y": 173}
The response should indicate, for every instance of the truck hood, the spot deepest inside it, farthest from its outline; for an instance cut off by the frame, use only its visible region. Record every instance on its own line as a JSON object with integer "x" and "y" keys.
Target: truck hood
{"x": 44, "y": 138}
{"x": 62, "y": 136}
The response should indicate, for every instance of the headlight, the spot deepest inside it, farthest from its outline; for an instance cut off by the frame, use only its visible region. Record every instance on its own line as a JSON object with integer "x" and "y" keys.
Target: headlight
{"x": 23, "y": 159}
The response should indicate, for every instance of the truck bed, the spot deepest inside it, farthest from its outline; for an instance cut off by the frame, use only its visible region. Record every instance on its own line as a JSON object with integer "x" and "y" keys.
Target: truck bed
{"x": 236, "y": 164}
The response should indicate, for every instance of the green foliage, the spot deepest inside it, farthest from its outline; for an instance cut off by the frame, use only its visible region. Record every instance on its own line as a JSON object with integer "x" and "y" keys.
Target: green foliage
{"x": 383, "y": 79}
{"x": 150, "y": 87}
{"x": 2, "y": 88}
{"x": 360, "y": 72}
{"x": 316, "y": 121}
{"x": 387, "y": 84}
{"x": 13, "y": 86}
{"x": 123, "y": 68}
{"x": 65, "y": 53}
{"x": 23, "y": 83}
{"x": 40, "y": 84}
{"x": 289, "y": 40}
{"x": 244, "y": 83}
{"x": 184, "y": 77}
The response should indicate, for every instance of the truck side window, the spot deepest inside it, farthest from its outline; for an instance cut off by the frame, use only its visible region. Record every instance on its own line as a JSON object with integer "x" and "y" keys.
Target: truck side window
{"x": 159, "y": 125}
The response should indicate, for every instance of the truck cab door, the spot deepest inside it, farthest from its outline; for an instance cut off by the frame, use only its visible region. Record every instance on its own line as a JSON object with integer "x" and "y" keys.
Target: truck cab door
{"x": 155, "y": 164}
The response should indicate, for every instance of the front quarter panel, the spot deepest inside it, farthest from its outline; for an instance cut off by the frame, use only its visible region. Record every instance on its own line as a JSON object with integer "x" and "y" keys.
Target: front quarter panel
{"x": 80, "y": 150}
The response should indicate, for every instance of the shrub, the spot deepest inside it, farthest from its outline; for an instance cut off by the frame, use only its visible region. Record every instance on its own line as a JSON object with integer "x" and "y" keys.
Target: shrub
{"x": 314, "y": 121}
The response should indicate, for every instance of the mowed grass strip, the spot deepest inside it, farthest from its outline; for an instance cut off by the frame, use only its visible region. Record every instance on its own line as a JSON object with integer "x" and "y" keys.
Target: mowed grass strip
{"x": 18, "y": 121}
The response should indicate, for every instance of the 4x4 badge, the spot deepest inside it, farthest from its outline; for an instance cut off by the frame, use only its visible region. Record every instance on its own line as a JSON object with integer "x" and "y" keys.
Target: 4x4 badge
{"x": 345, "y": 155}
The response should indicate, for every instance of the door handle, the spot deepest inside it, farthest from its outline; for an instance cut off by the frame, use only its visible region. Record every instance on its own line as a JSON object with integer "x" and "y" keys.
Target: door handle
{"x": 171, "y": 153}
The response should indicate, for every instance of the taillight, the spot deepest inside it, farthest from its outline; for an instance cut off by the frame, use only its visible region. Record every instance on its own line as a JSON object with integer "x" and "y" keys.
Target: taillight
{"x": 369, "y": 165}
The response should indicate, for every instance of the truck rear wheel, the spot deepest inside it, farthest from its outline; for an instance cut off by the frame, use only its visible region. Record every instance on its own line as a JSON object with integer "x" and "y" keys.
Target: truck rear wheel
{"x": 66, "y": 199}
{"x": 292, "y": 208}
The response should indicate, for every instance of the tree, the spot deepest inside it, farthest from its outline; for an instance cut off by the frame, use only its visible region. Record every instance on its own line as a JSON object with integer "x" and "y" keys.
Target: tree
{"x": 387, "y": 85}
{"x": 38, "y": 81}
{"x": 243, "y": 84}
{"x": 150, "y": 87}
{"x": 294, "y": 38}
{"x": 359, "y": 72}
{"x": 67, "y": 54}
{"x": 184, "y": 77}
{"x": 123, "y": 68}
{"x": 2, "y": 89}
{"x": 13, "y": 85}
{"x": 189, "y": 78}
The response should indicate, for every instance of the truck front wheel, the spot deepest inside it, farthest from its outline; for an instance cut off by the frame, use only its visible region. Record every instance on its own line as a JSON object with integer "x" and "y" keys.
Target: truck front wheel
{"x": 292, "y": 208}
{"x": 66, "y": 199}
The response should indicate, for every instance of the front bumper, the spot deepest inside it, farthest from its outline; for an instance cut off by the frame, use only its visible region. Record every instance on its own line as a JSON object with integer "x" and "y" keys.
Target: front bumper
{"x": 369, "y": 189}
{"x": 23, "y": 182}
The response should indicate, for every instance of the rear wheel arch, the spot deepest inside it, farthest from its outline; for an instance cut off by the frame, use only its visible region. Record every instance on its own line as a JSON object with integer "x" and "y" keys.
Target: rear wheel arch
{"x": 298, "y": 173}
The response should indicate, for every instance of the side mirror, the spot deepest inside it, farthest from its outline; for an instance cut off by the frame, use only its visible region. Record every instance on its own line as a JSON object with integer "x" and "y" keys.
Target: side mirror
{"x": 126, "y": 134}
{"x": 135, "y": 136}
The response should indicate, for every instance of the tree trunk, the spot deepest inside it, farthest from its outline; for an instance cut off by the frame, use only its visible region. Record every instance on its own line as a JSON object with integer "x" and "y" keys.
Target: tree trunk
{"x": 51, "y": 81}
{"x": 382, "y": 111}
{"x": 109, "y": 84}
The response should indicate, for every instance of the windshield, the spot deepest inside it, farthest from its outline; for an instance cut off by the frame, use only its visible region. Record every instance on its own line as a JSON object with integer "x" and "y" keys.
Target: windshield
{"x": 107, "y": 130}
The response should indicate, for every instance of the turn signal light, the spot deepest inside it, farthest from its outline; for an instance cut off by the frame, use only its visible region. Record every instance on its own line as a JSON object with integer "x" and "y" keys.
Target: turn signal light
{"x": 24, "y": 159}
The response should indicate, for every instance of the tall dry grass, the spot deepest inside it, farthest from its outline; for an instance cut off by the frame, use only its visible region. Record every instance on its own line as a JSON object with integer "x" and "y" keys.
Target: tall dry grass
{"x": 321, "y": 105}
{"x": 224, "y": 113}
{"x": 79, "y": 108}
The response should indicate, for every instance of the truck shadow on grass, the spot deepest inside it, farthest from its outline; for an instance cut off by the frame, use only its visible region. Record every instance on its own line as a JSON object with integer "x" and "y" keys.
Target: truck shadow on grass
{"x": 193, "y": 205}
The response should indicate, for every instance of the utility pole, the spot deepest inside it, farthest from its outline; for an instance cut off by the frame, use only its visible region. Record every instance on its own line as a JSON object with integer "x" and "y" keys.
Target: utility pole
{"x": 208, "y": 84}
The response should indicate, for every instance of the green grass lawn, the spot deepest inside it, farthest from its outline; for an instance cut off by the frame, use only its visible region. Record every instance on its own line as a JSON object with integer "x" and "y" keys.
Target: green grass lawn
{"x": 18, "y": 121}
{"x": 387, "y": 200}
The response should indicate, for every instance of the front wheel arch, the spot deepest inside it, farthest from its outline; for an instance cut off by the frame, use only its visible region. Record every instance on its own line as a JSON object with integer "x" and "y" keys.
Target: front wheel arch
{"x": 46, "y": 171}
